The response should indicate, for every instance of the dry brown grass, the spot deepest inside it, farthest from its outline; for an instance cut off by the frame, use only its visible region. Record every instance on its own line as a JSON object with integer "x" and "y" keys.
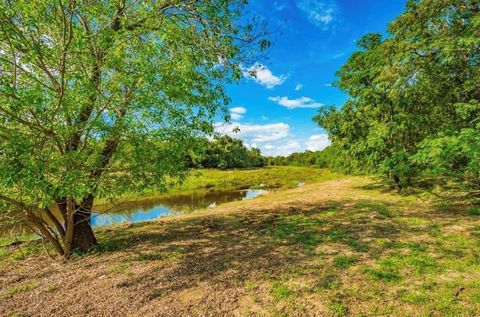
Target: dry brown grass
{"x": 337, "y": 248}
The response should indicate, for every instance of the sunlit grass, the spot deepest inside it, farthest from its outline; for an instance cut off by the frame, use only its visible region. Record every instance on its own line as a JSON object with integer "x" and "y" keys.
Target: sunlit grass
{"x": 276, "y": 177}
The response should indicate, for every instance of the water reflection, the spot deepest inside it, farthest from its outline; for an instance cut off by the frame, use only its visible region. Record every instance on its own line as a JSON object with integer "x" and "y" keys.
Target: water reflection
{"x": 167, "y": 206}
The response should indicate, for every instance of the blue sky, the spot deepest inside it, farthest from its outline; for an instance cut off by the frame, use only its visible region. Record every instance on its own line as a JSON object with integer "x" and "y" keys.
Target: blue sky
{"x": 313, "y": 39}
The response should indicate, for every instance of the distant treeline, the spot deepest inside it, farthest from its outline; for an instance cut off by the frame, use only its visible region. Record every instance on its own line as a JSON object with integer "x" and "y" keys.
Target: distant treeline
{"x": 225, "y": 152}
{"x": 326, "y": 159}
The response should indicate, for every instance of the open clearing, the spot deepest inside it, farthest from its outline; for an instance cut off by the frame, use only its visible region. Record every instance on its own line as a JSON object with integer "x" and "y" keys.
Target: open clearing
{"x": 345, "y": 247}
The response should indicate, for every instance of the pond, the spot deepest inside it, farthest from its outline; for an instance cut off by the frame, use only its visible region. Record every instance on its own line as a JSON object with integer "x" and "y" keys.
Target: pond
{"x": 174, "y": 204}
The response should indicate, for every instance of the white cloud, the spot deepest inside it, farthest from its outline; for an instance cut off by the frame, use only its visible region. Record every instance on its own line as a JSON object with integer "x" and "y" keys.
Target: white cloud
{"x": 317, "y": 142}
{"x": 262, "y": 75}
{"x": 322, "y": 13}
{"x": 236, "y": 113}
{"x": 302, "y": 102}
{"x": 287, "y": 146}
{"x": 254, "y": 133}
{"x": 298, "y": 87}
{"x": 236, "y": 116}
{"x": 239, "y": 110}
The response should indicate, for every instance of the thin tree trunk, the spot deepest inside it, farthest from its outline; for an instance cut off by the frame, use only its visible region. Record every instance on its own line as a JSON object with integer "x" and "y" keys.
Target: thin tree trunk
{"x": 396, "y": 181}
{"x": 56, "y": 223}
{"x": 67, "y": 247}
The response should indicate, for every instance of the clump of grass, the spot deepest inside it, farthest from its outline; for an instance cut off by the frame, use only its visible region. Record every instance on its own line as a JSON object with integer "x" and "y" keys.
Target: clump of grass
{"x": 120, "y": 268}
{"x": 280, "y": 291}
{"x": 415, "y": 298}
{"x": 388, "y": 270}
{"x": 338, "y": 308}
{"x": 345, "y": 261}
{"x": 357, "y": 245}
{"x": 11, "y": 291}
{"x": 50, "y": 288}
{"x": 250, "y": 285}
{"x": 107, "y": 245}
{"x": 414, "y": 221}
{"x": 474, "y": 211}
{"x": 149, "y": 257}
{"x": 387, "y": 275}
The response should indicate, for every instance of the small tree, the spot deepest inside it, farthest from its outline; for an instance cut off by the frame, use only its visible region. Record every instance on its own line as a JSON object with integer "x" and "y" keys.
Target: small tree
{"x": 99, "y": 98}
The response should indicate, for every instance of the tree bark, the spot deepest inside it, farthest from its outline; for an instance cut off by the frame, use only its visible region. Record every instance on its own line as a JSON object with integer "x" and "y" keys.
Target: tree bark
{"x": 83, "y": 237}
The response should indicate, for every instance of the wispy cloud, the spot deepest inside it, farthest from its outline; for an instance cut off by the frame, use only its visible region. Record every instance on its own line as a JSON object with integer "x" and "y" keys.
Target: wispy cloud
{"x": 302, "y": 102}
{"x": 264, "y": 76}
{"x": 236, "y": 113}
{"x": 322, "y": 13}
{"x": 239, "y": 110}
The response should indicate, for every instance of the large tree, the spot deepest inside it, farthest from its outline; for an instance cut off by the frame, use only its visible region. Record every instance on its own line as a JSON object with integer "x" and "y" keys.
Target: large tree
{"x": 414, "y": 97}
{"x": 99, "y": 98}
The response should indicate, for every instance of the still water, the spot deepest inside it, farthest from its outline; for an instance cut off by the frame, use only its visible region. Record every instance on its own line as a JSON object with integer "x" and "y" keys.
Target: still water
{"x": 168, "y": 206}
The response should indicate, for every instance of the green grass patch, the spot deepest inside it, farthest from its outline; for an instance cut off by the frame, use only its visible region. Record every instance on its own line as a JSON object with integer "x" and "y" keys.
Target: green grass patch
{"x": 120, "y": 268}
{"x": 11, "y": 291}
{"x": 280, "y": 291}
{"x": 297, "y": 229}
{"x": 250, "y": 285}
{"x": 345, "y": 261}
{"x": 338, "y": 308}
{"x": 474, "y": 211}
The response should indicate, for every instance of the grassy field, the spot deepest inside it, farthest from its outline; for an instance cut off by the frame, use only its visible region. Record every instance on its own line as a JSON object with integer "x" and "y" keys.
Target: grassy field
{"x": 345, "y": 247}
{"x": 279, "y": 177}
{"x": 275, "y": 177}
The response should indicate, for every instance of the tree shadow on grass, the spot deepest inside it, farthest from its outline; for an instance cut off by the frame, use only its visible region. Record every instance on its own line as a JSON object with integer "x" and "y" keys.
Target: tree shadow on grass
{"x": 226, "y": 250}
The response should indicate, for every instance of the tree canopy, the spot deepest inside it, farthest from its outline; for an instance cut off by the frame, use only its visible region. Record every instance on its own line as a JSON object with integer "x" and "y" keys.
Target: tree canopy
{"x": 98, "y": 98}
{"x": 414, "y": 96}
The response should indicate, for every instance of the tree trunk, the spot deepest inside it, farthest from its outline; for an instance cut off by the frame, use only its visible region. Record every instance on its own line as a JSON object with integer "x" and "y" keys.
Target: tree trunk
{"x": 83, "y": 236}
{"x": 396, "y": 181}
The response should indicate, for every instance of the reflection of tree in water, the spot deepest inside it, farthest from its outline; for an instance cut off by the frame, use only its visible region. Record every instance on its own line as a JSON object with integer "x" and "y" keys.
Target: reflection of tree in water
{"x": 177, "y": 203}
